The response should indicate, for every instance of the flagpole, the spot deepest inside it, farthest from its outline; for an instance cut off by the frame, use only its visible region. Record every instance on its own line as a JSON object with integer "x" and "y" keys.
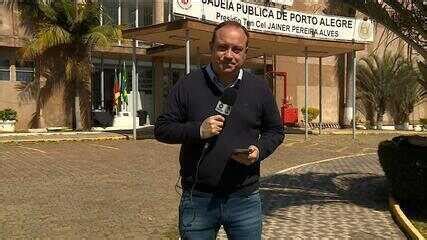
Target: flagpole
{"x": 116, "y": 88}
{"x": 119, "y": 107}
{"x": 124, "y": 105}
{"x": 134, "y": 88}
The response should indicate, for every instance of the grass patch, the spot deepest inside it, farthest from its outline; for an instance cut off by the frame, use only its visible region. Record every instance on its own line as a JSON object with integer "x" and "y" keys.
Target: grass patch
{"x": 417, "y": 217}
{"x": 421, "y": 226}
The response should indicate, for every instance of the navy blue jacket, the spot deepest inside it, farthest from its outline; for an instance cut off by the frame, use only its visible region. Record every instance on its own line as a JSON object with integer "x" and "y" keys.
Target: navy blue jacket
{"x": 254, "y": 120}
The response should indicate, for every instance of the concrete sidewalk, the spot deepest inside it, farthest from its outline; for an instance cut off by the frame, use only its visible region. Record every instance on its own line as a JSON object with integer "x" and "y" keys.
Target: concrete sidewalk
{"x": 349, "y": 131}
{"x": 142, "y": 133}
{"x": 59, "y": 136}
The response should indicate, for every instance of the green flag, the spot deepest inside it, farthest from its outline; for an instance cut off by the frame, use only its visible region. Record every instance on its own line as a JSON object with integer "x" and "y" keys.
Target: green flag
{"x": 123, "y": 85}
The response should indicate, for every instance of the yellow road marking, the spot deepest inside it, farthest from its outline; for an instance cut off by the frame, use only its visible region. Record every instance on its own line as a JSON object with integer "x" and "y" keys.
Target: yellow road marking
{"x": 316, "y": 162}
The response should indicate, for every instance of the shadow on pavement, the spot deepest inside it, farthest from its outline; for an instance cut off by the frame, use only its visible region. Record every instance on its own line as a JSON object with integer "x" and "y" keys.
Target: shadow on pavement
{"x": 366, "y": 190}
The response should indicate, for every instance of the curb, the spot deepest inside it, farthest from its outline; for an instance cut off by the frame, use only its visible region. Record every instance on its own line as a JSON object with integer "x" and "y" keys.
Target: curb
{"x": 402, "y": 220}
{"x": 379, "y": 132}
{"x": 330, "y": 131}
{"x": 64, "y": 139}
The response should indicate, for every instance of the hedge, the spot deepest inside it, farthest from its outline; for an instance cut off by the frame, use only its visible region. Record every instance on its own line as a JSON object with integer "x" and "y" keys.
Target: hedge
{"x": 404, "y": 161}
{"x": 312, "y": 113}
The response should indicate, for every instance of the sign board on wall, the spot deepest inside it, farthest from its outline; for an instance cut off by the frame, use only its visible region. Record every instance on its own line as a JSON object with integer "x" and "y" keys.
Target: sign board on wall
{"x": 278, "y": 21}
{"x": 284, "y": 2}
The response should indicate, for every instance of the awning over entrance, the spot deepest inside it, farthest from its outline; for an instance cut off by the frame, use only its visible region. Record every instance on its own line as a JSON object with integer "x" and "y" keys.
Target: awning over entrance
{"x": 173, "y": 36}
{"x": 185, "y": 37}
{"x": 124, "y": 51}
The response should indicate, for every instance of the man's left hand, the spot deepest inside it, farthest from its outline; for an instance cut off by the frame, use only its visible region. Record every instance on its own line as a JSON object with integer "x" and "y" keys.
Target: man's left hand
{"x": 247, "y": 159}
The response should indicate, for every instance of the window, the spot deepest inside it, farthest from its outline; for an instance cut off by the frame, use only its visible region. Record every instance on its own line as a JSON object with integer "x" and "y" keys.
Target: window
{"x": 145, "y": 79}
{"x": 96, "y": 84}
{"x": 128, "y": 11}
{"x": 145, "y": 12}
{"x": 25, "y": 71}
{"x": 110, "y": 8}
{"x": 4, "y": 69}
{"x": 167, "y": 7}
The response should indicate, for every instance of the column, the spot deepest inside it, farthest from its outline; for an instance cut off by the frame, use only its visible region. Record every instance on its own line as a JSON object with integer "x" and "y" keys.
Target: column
{"x": 158, "y": 86}
{"x": 348, "y": 107}
{"x": 354, "y": 93}
{"x": 320, "y": 96}
{"x": 305, "y": 95}
{"x": 134, "y": 89}
{"x": 102, "y": 85}
{"x": 158, "y": 17}
{"x": 159, "y": 12}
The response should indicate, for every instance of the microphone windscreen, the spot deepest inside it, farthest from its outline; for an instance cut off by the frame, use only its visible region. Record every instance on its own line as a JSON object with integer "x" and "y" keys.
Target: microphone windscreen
{"x": 229, "y": 96}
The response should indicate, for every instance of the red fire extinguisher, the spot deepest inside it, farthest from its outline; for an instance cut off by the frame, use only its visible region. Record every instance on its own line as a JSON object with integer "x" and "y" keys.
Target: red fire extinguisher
{"x": 288, "y": 112}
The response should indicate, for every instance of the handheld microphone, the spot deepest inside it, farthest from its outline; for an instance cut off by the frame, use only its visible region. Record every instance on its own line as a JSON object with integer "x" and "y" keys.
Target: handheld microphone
{"x": 226, "y": 101}
{"x": 224, "y": 106}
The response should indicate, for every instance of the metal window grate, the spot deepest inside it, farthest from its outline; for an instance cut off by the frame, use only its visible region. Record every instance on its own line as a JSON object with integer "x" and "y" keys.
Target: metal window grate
{"x": 25, "y": 74}
{"x": 4, "y": 74}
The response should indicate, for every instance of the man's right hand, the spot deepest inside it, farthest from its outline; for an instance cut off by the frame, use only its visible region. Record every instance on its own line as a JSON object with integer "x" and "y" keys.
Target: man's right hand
{"x": 211, "y": 126}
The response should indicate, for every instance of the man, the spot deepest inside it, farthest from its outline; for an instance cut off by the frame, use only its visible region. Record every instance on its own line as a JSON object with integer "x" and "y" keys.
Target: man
{"x": 220, "y": 187}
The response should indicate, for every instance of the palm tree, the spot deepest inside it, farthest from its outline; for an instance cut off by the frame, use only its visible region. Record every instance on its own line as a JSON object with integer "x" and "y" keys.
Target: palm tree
{"x": 375, "y": 75}
{"x": 366, "y": 108}
{"x": 423, "y": 80}
{"x": 406, "y": 93}
{"x": 405, "y": 18}
{"x": 64, "y": 33}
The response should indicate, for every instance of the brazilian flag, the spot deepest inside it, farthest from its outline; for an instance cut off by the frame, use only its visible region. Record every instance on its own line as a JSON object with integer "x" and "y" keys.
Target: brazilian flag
{"x": 123, "y": 85}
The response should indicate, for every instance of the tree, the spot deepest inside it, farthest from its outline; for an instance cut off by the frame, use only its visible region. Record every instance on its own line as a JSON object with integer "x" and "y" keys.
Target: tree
{"x": 405, "y": 18}
{"x": 366, "y": 108}
{"x": 422, "y": 67}
{"x": 64, "y": 34}
{"x": 406, "y": 92}
{"x": 375, "y": 75}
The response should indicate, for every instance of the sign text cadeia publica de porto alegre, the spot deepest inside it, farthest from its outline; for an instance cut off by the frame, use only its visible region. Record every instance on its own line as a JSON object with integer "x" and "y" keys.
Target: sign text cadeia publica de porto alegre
{"x": 275, "y": 20}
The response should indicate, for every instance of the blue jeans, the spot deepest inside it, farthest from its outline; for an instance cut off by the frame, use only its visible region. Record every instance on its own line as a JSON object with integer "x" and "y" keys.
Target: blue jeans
{"x": 201, "y": 216}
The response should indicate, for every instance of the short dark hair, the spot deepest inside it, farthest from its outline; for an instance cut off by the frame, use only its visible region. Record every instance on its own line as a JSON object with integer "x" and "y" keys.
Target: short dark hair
{"x": 230, "y": 23}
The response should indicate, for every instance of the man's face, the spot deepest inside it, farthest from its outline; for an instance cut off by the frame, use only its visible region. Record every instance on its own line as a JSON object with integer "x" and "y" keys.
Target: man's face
{"x": 228, "y": 50}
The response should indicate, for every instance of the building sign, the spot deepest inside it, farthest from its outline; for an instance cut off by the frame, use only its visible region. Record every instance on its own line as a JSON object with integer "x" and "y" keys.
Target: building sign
{"x": 284, "y": 2}
{"x": 278, "y": 21}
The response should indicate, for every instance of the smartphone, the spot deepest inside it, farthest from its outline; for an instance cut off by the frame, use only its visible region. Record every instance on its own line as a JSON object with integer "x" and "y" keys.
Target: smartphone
{"x": 241, "y": 151}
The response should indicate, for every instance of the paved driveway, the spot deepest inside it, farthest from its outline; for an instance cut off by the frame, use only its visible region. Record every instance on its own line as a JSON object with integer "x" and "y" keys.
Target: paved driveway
{"x": 344, "y": 198}
{"x": 126, "y": 189}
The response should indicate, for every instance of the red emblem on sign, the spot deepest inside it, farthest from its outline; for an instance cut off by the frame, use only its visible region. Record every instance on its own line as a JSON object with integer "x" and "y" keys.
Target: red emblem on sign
{"x": 185, "y": 4}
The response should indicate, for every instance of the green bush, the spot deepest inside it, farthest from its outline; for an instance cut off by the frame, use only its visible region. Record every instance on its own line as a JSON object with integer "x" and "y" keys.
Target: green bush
{"x": 8, "y": 114}
{"x": 312, "y": 113}
{"x": 405, "y": 165}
